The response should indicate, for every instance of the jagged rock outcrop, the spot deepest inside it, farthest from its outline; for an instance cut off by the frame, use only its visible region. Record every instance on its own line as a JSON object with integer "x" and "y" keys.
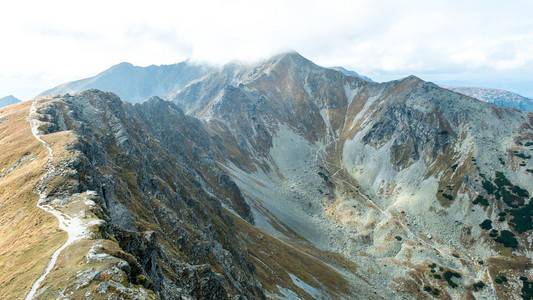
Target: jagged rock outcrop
{"x": 282, "y": 180}
{"x": 396, "y": 167}
{"x": 156, "y": 205}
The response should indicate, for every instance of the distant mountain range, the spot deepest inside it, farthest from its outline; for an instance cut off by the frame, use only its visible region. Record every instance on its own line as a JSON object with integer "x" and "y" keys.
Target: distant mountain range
{"x": 521, "y": 86}
{"x": 495, "y": 96}
{"x": 351, "y": 73}
{"x": 8, "y": 100}
{"x": 135, "y": 84}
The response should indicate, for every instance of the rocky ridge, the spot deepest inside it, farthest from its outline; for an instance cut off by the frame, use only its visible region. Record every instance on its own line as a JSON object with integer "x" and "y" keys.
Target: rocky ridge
{"x": 396, "y": 168}
{"x": 159, "y": 245}
{"x": 288, "y": 180}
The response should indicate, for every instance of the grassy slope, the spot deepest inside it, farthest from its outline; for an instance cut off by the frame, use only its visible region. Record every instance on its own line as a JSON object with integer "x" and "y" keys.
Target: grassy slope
{"x": 28, "y": 235}
{"x": 275, "y": 259}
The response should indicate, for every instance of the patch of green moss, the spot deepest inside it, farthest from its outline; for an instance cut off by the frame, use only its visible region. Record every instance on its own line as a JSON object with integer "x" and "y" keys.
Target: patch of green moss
{"x": 488, "y": 186}
{"x": 324, "y": 177}
{"x": 527, "y": 290}
{"x": 448, "y": 275}
{"x": 509, "y": 198}
{"x": 481, "y": 201}
{"x": 508, "y": 239}
{"x": 141, "y": 279}
{"x": 447, "y": 196}
{"x": 520, "y": 192}
{"x": 479, "y": 285}
{"x": 522, "y": 155}
{"x": 522, "y": 218}
{"x": 501, "y": 180}
{"x": 487, "y": 224}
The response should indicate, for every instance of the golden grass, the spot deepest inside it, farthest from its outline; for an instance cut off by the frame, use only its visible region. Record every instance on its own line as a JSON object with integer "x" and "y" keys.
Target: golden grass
{"x": 28, "y": 235}
{"x": 512, "y": 268}
{"x": 274, "y": 259}
{"x": 72, "y": 260}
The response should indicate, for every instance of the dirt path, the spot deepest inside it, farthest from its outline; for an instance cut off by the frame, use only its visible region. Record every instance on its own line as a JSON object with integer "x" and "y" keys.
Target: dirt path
{"x": 65, "y": 223}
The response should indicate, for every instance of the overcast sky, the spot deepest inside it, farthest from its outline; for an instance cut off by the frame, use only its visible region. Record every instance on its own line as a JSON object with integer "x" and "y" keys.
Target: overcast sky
{"x": 45, "y": 43}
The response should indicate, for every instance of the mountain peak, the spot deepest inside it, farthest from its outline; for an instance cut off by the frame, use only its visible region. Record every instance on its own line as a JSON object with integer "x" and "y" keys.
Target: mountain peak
{"x": 123, "y": 66}
{"x": 413, "y": 78}
{"x": 291, "y": 56}
{"x": 8, "y": 100}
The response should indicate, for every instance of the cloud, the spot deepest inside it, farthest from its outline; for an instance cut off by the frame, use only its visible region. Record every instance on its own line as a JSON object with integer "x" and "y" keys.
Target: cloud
{"x": 67, "y": 40}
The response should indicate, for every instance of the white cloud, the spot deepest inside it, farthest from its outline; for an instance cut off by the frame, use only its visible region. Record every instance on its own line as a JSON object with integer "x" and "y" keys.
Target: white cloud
{"x": 58, "y": 41}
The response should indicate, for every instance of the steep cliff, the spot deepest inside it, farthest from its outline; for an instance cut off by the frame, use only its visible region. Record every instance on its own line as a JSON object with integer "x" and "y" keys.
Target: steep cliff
{"x": 403, "y": 172}
{"x": 148, "y": 217}
{"x": 281, "y": 180}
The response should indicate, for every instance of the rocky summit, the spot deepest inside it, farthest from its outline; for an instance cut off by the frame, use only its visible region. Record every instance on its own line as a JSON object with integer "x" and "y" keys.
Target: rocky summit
{"x": 277, "y": 180}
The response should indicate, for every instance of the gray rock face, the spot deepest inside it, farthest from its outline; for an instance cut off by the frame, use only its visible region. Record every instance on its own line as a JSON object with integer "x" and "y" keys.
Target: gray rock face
{"x": 135, "y": 84}
{"x": 146, "y": 162}
{"x": 358, "y": 189}
{"x": 400, "y": 161}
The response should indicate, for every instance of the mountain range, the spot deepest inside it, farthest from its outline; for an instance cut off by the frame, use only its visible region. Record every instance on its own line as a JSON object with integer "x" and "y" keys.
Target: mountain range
{"x": 275, "y": 180}
{"x": 135, "y": 84}
{"x": 495, "y": 96}
{"x": 8, "y": 100}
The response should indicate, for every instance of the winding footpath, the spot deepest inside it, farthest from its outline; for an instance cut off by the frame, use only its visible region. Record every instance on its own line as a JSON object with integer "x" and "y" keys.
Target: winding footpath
{"x": 65, "y": 223}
